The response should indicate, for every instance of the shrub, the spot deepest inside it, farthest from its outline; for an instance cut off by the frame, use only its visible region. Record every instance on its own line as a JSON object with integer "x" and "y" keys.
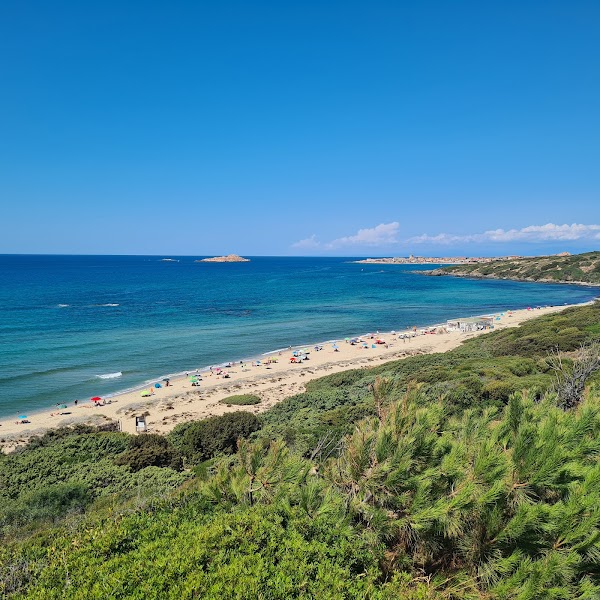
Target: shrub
{"x": 49, "y": 503}
{"x": 241, "y": 400}
{"x": 200, "y": 440}
{"x": 341, "y": 379}
{"x": 150, "y": 450}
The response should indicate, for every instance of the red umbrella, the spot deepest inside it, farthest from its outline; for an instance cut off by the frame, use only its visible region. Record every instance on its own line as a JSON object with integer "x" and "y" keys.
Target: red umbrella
{"x": 96, "y": 399}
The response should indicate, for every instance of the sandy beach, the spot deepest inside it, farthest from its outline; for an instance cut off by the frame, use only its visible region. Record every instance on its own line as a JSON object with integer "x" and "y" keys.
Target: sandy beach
{"x": 272, "y": 382}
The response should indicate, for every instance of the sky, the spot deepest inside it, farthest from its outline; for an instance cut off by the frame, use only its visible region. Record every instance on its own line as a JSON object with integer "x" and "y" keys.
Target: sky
{"x": 300, "y": 128}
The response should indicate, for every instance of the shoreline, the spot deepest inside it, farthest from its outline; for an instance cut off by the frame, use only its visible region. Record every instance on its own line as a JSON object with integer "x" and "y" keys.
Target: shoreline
{"x": 439, "y": 273}
{"x": 180, "y": 401}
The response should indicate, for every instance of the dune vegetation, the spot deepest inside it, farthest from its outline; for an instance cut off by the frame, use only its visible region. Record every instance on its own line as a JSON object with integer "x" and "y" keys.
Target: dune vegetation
{"x": 470, "y": 474}
{"x": 576, "y": 268}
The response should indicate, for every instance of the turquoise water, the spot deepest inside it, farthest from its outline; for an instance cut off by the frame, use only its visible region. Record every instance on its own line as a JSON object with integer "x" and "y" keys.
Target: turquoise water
{"x": 66, "y": 320}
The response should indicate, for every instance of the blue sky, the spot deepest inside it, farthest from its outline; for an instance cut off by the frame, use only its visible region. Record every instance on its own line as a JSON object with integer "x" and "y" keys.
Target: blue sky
{"x": 327, "y": 128}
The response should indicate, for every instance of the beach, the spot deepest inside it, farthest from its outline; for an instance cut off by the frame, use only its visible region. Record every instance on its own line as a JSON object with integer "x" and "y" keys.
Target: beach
{"x": 271, "y": 381}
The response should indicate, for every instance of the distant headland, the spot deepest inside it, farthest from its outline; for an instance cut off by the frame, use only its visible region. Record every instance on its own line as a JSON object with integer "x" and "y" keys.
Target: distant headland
{"x": 230, "y": 258}
{"x": 432, "y": 260}
{"x": 558, "y": 268}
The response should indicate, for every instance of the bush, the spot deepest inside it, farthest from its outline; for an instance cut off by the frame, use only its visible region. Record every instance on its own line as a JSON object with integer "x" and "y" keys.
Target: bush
{"x": 49, "y": 503}
{"x": 60, "y": 433}
{"x": 241, "y": 400}
{"x": 150, "y": 450}
{"x": 341, "y": 379}
{"x": 200, "y": 440}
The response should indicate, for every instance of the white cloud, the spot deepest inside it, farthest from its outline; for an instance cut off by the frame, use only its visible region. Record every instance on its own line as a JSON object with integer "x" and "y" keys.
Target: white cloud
{"x": 533, "y": 233}
{"x": 384, "y": 234}
{"x": 307, "y": 243}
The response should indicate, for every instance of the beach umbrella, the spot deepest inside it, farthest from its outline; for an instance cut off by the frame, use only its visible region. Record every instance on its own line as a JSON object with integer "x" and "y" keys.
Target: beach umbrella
{"x": 335, "y": 346}
{"x": 157, "y": 385}
{"x": 22, "y": 417}
{"x": 166, "y": 380}
{"x": 95, "y": 399}
{"x": 145, "y": 393}
{"x": 62, "y": 406}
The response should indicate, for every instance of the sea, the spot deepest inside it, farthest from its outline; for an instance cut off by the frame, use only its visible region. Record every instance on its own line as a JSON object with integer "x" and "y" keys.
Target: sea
{"x": 73, "y": 327}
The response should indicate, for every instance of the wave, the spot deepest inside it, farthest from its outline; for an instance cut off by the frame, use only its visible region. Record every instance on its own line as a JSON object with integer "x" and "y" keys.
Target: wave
{"x": 108, "y": 304}
{"x": 275, "y": 351}
{"x": 63, "y": 305}
{"x": 31, "y": 374}
{"x": 110, "y": 375}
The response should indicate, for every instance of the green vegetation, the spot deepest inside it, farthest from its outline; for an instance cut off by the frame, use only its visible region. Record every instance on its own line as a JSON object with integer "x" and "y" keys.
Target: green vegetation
{"x": 199, "y": 441}
{"x": 459, "y": 475}
{"x": 241, "y": 400}
{"x": 151, "y": 450}
{"x": 580, "y": 268}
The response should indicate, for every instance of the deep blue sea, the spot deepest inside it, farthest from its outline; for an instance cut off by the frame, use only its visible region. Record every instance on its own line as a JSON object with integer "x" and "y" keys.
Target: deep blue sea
{"x": 66, "y": 320}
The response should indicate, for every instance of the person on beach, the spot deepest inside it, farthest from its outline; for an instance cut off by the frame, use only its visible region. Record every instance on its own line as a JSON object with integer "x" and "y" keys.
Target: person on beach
{"x": 76, "y": 402}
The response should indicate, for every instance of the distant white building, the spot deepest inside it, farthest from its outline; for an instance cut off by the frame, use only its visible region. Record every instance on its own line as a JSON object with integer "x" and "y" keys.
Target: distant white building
{"x": 470, "y": 324}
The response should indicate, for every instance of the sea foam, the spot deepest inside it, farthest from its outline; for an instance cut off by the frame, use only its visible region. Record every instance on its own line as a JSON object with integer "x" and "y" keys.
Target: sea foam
{"x": 110, "y": 375}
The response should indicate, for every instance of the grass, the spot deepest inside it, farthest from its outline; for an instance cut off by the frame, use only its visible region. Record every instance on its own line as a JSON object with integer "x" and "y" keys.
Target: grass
{"x": 241, "y": 400}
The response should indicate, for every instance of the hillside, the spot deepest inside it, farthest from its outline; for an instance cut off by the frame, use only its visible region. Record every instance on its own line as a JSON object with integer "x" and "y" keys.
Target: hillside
{"x": 578, "y": 268}
{"x": 457, "y": 475}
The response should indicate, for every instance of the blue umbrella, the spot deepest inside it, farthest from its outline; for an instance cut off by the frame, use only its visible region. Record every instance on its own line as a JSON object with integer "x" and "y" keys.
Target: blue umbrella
{"x": 157, "y": 385}
{"x": 22, "y": 417}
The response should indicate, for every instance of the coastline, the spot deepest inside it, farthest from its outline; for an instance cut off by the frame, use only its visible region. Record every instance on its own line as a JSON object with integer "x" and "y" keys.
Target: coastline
{"x": 440, "y": 273}
{"x": 181, "y": 401}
